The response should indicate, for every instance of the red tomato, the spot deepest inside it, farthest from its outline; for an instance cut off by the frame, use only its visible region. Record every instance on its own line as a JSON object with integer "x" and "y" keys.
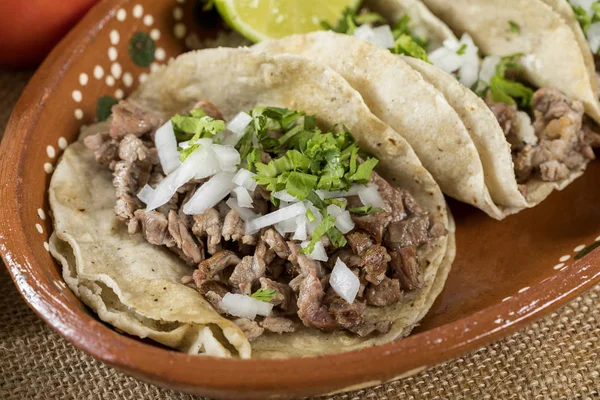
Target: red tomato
{"x": 30, "y": 28}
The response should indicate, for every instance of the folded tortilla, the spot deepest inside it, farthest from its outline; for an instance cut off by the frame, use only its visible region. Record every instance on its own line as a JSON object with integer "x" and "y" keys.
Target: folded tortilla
{"x": 136, "y": 286}
{"x": 408, "y": 103}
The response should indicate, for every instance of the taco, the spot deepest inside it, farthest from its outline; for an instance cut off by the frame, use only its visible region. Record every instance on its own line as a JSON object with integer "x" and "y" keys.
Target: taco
{"x": 239, "y": 204}
{"x": 526, "y": 149}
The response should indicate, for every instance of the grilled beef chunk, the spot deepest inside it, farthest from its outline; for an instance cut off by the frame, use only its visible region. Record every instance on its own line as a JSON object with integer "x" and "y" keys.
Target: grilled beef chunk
{"x": 128, "y": 118}
{"x": 375, "y": 261}
{"x": 278, "y": 325}
{"x": 558, "y": 142}
{"x": 384, "y": 294}
{"x": 381, "y": 250}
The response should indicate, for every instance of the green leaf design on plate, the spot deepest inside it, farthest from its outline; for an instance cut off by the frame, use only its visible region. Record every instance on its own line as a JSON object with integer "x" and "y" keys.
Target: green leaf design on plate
{"x": 104, "y": 107}
{"x": 141, "y": 49}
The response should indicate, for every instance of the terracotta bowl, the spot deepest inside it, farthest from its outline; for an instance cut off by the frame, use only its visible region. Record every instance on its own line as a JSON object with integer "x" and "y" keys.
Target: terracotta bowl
{"x": 506, "y": 273}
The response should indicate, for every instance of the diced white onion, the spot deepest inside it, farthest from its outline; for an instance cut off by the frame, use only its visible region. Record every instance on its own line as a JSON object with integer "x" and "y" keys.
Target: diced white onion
{"x": 146, "y": 193}
{"x": 287, "y": 226}
{"x": 209, "y": 194}
{"x": 245, "y": 213}
{"x": 244, "y": 178}
{"x": 466, "y": 65}
{"x": 228, "y": 157}
{"x": 524, "y": 129}
{"x": 205, "y": 160}
{"x": 243, "y": 197}
{"x": 166, "y": 145}
{"x": 317, "y": 214}
{"x": 381, "y": 36}
{"x": 318, "y": 252}
{"x": 326, "y": 194}
{"x": 344, "y": 222}
{"x": 277, "y": 216}
{"x": 168, "y": 186}
{"x": 370, "y": 196}
{"x": 243, "y": 306}
{"x": 184, "y": 145}
{"x": 236, "y": 127}
{"x": 300, "y": 233}
{"x": 344, "y": 282}
{"x": 593, "y": 35}
{"x": 488, "y": 68}
{"x": 445, "y": 59}
{"x": 285, "y": 196}
{"x": 469, "y": 71}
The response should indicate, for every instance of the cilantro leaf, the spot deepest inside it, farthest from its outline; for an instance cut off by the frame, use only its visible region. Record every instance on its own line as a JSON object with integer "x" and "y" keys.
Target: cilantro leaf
{"x": 583, "y": 18}
{"x": 345, "y": 24}
{"x": 364, "y": 210}
{"x": 514, "y": 27}
{"x": 363, "y": 171}
{"x": 300, "y": 184}
{"x": 187, "y": 127}
{"x": 462, "y": 49}
{"x": 505, "y": 91}
{"x": 326, "y": 224}
{"x": 264, "y": 294}
{"x": 336, "y": 238}
{"x": 405, "y": 44}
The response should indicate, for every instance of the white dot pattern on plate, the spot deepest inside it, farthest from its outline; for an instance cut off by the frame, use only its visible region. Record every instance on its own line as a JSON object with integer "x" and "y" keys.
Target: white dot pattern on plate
{"x": 83, "y": 79}
{"x": 507, "y": 298}
{"x": 142, "y": 78}
{"x": 526, "y": 288}
{"x": 564, "y": 258}
{"x": 114, "y": 37}
{"x": 138, "y": 11}
{"x": 597, "y": 239}
{"x": 62, "y": 143}
{"x": 579, "y": 248}
{"x": 48, "y": 168}
{"x": 160, "y": 54}
{"x": 98, "y": 72}
{"x": 154, "y": 67}
{"x": 39, "y": 228}
{"x": 78, "y": 113}
{"x": 179, "y": 30}
{"x": 41, "y": 214}
{"x": 558, "y": 266}
{"x": 121, "y": 14}
{"x": 155, "y": 34}
{"x": 112, "y": 53}
{"x": 110, "y": 81}
{"x": 177, "y": 13}
{"x": 116, "y": 70}
{"x": 46, "y": 246}
{"x": 77, "y": 96}
{"x": 148, "y": 20}
{"x": 119, "y": 94}
{"x": 50, "y": 151}
{"x": 127, "y": 79}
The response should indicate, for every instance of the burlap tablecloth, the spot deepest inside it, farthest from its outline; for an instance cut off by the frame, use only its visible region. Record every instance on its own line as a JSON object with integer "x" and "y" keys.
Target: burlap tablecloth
{"x": 556, "y": 358}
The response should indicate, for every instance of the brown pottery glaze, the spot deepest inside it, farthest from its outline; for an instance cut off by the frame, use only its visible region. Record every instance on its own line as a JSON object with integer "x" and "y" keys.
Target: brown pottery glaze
{"x": 506, "y": 274}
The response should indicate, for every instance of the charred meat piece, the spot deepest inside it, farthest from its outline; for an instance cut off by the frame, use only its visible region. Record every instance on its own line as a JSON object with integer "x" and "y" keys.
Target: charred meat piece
{"x": 311, "y": 309}
{"x": 346, "y": 315}
{"x": 302, "y": 263}
{"x": 366, "y": 328}
{"x": 247, "y": 273}
{"x": 384, "y": 294}
{"x": 284, "y": 295}
{"x": 209, "y": 225}
{"x": 375, "y": 261}
{"x": 250, "y": 328}
{"x": 105, "y": 148}
{"x": 155, "y": 228}
{"x": 209, "y": 108}
{"x": 359, "y": 242}
{"x": 211, "y": 266}
{"x": 276, "y": 243}
{"x": 278, "y": 325}
{"x": 406, "y": 268}
{"x": 346, "y": 255}
{"x": 128, "y": 118}
{"x": 413, "y": 231}
{"x": 183, "y": 239}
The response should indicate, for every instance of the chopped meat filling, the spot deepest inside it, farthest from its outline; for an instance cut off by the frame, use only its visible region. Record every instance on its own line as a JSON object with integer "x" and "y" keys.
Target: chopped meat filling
{"x": 381, "y": 250}
{"x": 558, "y": 142}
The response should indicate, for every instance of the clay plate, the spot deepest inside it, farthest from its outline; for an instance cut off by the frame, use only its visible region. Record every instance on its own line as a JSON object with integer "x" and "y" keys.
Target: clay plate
{"x": 506, "y": 274}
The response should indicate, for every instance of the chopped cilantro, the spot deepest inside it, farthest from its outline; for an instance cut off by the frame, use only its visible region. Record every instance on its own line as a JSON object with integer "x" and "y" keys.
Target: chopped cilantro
{"x": 514, "y": 27}
{"x": 341, "y": 203}
{"x": 406, "y": 44}
{"x": 336, "y": 237}
{"x": 505, "y": 90}
{"x": 583, "y": 18}
{"x": 193, "y": 127}
{"x": 326, "y": 224}
{"x": 264, "y": 294}
{"x": 364, "y": 210}
{"x": 462, "y": 49}
{"x": 310, "y": 216}
{"x": 346, "y": 24}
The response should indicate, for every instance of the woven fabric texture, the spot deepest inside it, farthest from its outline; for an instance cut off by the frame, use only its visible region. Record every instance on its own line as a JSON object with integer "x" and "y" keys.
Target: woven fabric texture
{"x": 556, "y": 358}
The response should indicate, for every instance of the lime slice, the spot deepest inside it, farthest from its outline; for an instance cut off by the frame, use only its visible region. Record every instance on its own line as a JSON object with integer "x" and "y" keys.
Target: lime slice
{"x": 269, "y": 19}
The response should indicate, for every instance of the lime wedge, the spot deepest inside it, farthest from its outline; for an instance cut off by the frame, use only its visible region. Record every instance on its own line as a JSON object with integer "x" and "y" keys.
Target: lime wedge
{"x": 270, "y": 19}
